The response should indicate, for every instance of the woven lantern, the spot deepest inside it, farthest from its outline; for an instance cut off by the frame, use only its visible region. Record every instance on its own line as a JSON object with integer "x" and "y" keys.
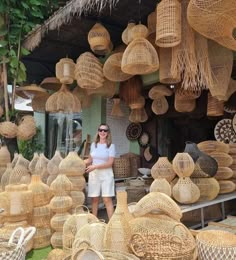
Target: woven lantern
{"x": 214, "y": 20}
{"x": 138, "y": 113}
{"x": 112, "y": 68}
{"x": 88, "y": 71}
{"x": 160, "y": 105}
{"x": 63, "y": 101}
{"x": 65, "y": 71}
{"x": 126, "y": 34}
{"x": 98, "y": 38}
{"x": 140, "y": 57}
{"x": 168, "y": 25}
{"x": 183, "y": 164}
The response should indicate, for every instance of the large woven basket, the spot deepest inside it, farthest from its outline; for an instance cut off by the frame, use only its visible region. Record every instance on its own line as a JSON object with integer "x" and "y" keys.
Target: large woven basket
{"x": 216, "y": 245}
{"x": 121, "y": 167}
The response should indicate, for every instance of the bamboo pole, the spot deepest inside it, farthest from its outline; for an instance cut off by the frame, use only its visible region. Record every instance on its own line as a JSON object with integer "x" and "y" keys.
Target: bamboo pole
{"x": 5, "y": 89}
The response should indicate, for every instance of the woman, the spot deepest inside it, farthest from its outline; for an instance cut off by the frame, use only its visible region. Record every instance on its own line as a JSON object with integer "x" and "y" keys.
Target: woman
{"x": 99, "y": 167}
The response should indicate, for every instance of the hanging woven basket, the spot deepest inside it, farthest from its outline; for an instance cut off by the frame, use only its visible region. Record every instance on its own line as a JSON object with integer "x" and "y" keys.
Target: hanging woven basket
{"x": 126, "y": 34}
{"x": 8, "y": 129}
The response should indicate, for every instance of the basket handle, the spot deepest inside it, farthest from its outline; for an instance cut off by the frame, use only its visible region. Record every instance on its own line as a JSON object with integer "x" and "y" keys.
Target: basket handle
{"x": 132, "y": 245}
{"x": 20, "y": 239}
{"x": 83, "y": 207}
{"x": 29, "y": 233}
{"x": 84, "y": 249}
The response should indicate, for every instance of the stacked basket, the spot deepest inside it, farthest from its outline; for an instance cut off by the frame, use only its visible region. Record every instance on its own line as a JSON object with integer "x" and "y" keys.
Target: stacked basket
{"x": 53, "y": 167}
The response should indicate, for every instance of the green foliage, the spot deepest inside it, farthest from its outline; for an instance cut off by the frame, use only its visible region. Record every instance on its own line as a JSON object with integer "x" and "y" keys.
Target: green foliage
{"x": 17, "y": 19}
{"x": 28, "y": 148}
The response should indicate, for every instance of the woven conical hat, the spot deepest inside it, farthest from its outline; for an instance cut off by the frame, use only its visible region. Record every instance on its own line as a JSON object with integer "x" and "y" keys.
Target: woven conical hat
{"x": 32, "y": 90}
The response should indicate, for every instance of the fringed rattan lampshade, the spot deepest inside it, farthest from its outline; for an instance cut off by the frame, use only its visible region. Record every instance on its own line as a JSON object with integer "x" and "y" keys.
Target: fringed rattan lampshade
{"x": 168, "y": 25}
{"x": 65, "y": 70}
{"x": 126, "y": 34}
{"x": 39, "y": 102}
{"x": 221, "y": 61}
{"x": 214, "y": 19}
{"x": 98, "y": 38}
{"x": 214, "y": 106}
{"x": 116, "y": 109}
{"x": 63, "y": 101}
{"x": 165, "y": 73}
{"x": 130, "y": 90}
{"x": 88, "y": 71}
{"x": 140, "y": 57}
{"x": 112, "y": 68}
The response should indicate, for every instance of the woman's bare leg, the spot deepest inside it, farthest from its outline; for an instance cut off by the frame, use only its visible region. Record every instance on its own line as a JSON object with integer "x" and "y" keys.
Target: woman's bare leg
{"x": 109, "y": 206}
{"x": 95, "y": 201}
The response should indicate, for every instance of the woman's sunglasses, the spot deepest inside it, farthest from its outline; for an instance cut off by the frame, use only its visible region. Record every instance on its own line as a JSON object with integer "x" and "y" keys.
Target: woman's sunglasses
{"x": 103, "y": 130}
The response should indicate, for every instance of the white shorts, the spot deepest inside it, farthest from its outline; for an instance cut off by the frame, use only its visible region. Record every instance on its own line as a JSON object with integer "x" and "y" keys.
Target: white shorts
{"x": 101, "y": 181}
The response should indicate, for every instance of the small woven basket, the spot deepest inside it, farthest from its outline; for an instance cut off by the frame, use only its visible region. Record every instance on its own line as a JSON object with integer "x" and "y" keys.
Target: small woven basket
{"x": 121, "y": 167}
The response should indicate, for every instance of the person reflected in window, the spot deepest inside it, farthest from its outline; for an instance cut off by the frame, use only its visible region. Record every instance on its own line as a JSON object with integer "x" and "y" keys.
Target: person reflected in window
{"x": 99, "y": 166}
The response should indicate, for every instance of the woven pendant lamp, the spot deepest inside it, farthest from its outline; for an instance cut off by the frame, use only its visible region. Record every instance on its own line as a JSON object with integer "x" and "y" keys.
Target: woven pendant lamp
{"x": 88, "y": 71}
{"x": 51, "y": 83}
{"x": 130, "y": 90}
{"x": 112, "y": 68}
{"x": 108, "y": 89}
{"x": 39, "y": 102}
{"x": 221, "y": 61}
{"x": 82, "y": 95}
{"x": 126, "y": 34}
{"x": 63, "y": 101}
{"x": 214, "y": 106}
{"x": 138, "y": 113}
{"x": 116, "y": 109}
{"x": 214, "y": 19}
{"x": 65, "y": 70}
{"x": 31, "y": 90}
{"x": 98, "y": 38}
{"x": 140, "y": 57}
{"x": 168, "y": 23}
{"x": 165, "y": 73}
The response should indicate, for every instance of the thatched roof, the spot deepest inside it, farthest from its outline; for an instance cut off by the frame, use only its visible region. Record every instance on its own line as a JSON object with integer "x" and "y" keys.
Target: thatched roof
{"x": 64, "y": 16}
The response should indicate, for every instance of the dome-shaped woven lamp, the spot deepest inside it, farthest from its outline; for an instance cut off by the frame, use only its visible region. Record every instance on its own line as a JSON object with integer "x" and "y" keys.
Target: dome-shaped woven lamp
{"x": 168, "y": 25}
{"x": 116, "y": 109}
{"x": 98, "y": 38}
{"x": 166, "y": 75}
{"x": 39, "y": 102}
{"x": 214, "y": 106}
{"x": 140, "y": 57}
{"x": 108, "y": 89}
{"x": 130, "y": 90}
{"x": 160, "y": 105}
{"x": 65, "y": 71}
{"x": 51, "y": 83}
{"x": 105, "y": 51}
{"x": 82, "y": 95}
{"x": 63, "y": 101}
{"x": 32, "y": 90}
{"x": 221, "y": 61}
{"x": 126, "y": 34}
{"x": 215, "y": 20}
{"x": 26, "y": 130}
{"x": 159, "y": 90}
{"x": 88, "y": 71}
{"x": 112, "y": 68}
